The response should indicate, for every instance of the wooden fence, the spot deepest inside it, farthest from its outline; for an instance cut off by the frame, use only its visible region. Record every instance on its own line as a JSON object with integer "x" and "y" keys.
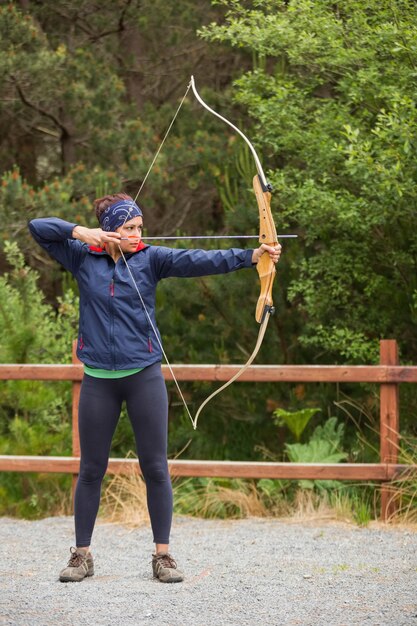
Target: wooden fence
{"x": 388, "y": 374}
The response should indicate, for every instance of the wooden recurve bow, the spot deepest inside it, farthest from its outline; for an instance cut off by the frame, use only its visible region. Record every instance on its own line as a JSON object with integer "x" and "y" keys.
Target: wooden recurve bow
{"x": 265, "y": 266}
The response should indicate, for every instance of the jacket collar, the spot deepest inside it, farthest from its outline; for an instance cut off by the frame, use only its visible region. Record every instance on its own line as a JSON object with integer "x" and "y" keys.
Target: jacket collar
{"x": 102, "y": 251}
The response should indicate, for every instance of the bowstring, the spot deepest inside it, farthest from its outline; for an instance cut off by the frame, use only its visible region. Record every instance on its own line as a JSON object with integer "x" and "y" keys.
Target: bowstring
{"x": 129, "y": 270}
{"x": 163, "y": 141}
{"x": 261, "y": 334}
{"x": 157, "y": 337}
{"x": 264, "y": 323}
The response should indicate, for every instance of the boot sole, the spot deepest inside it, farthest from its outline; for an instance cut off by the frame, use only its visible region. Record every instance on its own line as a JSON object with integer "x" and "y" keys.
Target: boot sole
{"x": 66, "y": 579}
{"x": 170, "y": 580}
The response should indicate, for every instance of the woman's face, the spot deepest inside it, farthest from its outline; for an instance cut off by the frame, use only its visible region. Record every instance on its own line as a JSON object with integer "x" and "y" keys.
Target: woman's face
{"x": 131, "y": 233}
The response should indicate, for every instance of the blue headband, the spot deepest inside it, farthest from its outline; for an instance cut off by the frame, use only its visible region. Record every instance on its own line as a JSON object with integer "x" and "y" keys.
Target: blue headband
{"x": 117, "y": 214}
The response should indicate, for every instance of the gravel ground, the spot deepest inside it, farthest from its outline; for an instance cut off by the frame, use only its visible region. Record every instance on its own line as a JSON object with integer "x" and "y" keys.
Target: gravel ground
{"x": 244, "y": 573}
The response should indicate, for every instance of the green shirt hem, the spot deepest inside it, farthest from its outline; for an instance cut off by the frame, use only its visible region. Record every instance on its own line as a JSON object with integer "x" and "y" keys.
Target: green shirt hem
{"x": 100, "y": 373}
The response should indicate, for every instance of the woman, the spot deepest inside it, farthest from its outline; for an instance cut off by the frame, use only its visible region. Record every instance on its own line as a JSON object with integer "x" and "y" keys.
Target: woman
{"x": 122, "y": 357}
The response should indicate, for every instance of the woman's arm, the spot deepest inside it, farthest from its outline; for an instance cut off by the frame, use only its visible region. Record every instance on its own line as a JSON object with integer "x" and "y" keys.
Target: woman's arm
{"x": 169, "y": 262}
{"x": 64, "y": 241}
{"x": 95, "y": 236}
{"x": 55, "y": 236}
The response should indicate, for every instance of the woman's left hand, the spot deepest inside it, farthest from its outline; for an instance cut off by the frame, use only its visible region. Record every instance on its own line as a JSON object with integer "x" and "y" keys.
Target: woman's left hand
{"x": 273, "y": 251}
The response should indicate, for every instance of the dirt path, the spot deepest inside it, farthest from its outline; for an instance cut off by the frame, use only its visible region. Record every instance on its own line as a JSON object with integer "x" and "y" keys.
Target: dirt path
{"x": 244, "y": 573}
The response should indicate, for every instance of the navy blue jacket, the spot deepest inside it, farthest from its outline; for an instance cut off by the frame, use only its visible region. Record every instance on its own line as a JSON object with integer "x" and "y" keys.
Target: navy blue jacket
{"x": 114, "y": 332}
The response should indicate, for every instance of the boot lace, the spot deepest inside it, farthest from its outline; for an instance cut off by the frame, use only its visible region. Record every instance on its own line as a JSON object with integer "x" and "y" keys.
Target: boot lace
{"x": 76, "y": 558}
{"x": 166, "y": 560}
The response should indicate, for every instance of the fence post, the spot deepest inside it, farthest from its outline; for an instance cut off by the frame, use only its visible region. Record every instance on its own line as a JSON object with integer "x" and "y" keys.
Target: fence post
{"x": 76, "y": 388}
{"x": 389, "y": 424}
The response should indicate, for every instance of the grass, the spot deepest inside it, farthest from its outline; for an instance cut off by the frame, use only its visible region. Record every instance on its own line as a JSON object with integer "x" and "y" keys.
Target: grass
{"x": 404, "y": 487}
{"x": 124, "y": 500}
{"x": 217, "y": 498}
{"x": 35, "y": 495}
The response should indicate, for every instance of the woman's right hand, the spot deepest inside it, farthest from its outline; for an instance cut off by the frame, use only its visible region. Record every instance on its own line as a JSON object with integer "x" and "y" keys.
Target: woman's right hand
{"x": 95, "y": 236}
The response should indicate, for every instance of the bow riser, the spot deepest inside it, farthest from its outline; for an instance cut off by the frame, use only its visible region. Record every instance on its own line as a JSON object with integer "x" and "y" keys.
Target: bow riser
{"x": 267, "y": 234}
{"x": 266, "y": 277}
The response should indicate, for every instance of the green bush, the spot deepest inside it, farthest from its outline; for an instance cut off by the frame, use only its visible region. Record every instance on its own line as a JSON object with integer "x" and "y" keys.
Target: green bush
{"x": 35, "y": 417}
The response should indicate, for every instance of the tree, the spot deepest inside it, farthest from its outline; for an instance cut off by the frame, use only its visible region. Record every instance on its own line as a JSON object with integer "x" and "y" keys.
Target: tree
{"x": 332, "y": 96}
{"x": 87, "y": 92}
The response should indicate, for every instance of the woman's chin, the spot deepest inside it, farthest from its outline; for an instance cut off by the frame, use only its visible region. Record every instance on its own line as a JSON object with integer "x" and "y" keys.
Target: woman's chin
{"x": 131, "y": 245}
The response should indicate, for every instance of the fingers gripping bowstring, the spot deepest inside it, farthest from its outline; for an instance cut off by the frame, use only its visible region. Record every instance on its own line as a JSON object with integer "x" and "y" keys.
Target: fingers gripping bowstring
{"x": 193, "y": 421}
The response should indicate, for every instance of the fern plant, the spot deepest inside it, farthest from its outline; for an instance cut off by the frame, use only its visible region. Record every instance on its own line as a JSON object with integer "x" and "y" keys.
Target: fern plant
{"x": 324, "y": 446}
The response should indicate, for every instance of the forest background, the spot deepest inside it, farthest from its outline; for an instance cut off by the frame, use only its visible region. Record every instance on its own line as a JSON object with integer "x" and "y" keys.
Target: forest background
{"x": 327, "y": 92}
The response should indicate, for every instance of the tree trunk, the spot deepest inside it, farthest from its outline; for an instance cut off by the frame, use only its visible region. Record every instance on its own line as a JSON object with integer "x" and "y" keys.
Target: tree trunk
{"x": 130, "y": 45}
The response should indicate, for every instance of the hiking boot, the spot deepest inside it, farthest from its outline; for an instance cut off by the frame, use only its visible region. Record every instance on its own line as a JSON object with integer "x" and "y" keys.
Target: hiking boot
{"x": 165, "y": 568}
{"x": 79, "y": 566}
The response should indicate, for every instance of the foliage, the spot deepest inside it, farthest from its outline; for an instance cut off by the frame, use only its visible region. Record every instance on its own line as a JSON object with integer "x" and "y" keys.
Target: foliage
{"x": 103, "y": 116}
{"x": 124, "y": 500}
{"x": 403, "y": 488}
{"x": 325, "y": 90}
{"x": 296, "y": 421}
{"x": 218, "y": 498}
{"x": 324, "y": 446}
{"x": 31, "y": 331}
{"x": 332, "y": 97}
{"x": 34, "y": 416}
{"x": 361, "y": 510}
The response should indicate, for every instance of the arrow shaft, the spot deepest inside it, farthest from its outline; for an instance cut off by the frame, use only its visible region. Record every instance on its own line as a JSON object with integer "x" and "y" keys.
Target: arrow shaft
{"x": 162, "y": 237}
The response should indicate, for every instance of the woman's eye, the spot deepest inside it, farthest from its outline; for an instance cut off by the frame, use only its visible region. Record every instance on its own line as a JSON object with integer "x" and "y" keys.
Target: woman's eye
{"x": 132, "y": 228}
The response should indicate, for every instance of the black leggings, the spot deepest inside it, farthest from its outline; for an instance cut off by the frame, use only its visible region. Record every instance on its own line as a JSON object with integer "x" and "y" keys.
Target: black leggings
{"x": 99, "y": 410}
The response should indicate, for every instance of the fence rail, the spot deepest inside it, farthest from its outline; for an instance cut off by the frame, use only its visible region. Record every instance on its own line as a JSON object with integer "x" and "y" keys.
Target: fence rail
{"x": 224, "y": 469}
{"x": 219, "y": 373}
{"x": 388, "y": 374}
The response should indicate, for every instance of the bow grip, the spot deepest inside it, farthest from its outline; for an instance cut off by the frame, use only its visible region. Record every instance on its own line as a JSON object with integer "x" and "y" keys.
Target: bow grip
{"x": 267, "y": 234}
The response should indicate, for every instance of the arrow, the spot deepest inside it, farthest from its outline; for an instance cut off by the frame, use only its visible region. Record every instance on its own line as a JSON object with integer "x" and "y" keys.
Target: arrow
{"x": 163, "y": 237}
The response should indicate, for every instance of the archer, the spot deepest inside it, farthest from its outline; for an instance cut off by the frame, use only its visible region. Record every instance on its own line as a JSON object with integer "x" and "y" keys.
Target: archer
{"x": 120, "y": 346}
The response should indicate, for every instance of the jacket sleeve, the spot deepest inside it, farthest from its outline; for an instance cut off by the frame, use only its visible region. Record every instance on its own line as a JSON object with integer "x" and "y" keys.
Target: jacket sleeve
{"x": 188, "y": 263}
{"x": 55, "y": 236}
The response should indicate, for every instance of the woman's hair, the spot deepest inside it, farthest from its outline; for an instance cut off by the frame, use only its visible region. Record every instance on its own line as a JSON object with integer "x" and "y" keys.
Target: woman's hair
{"x": 101, "y": 204}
